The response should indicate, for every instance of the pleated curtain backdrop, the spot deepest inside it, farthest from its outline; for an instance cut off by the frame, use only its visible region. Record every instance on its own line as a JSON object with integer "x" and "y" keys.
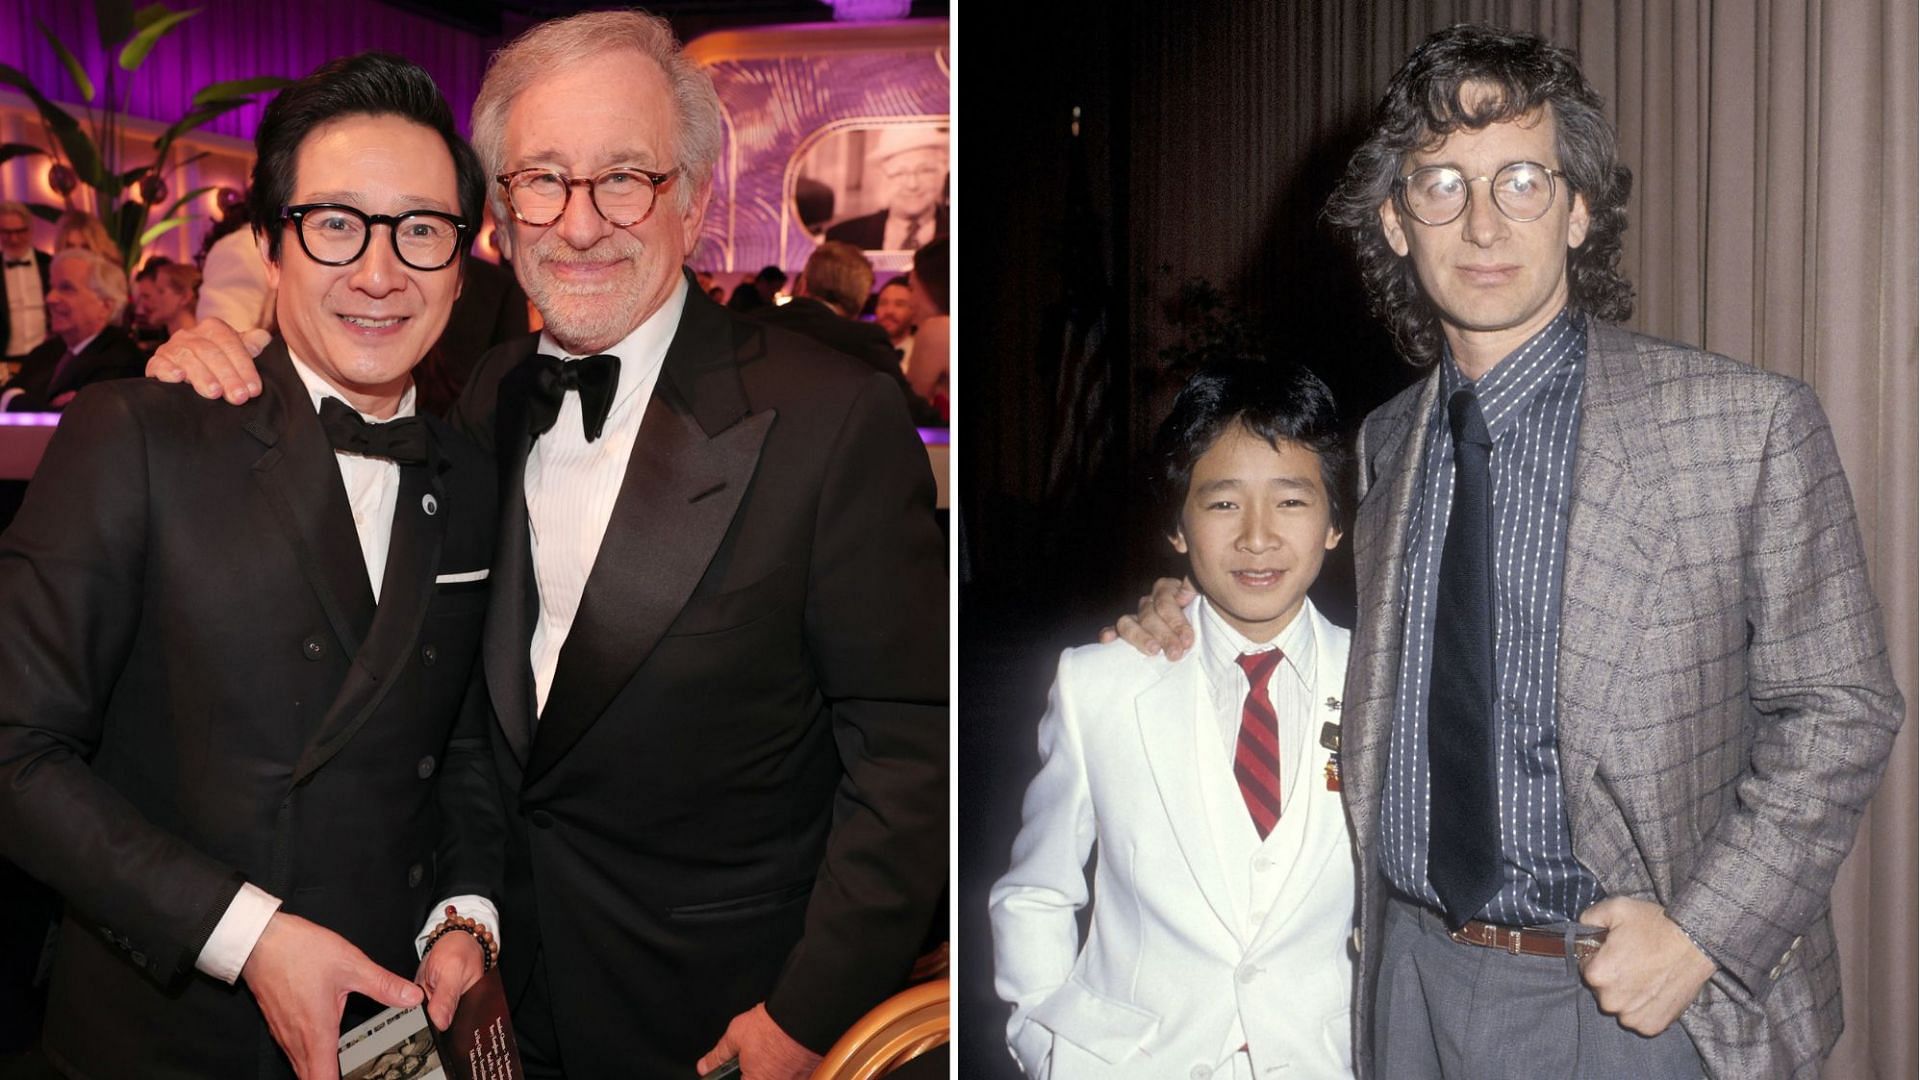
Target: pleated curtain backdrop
{"x": 1773, "y": 219}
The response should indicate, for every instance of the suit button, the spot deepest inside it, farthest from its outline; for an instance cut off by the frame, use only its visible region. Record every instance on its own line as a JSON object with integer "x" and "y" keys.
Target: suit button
{"x": 1200, "y": 1072}
{"x": 1247, "y": 973}
{"x": 415, "y": 875}
{"x": 1262, "y": 863}
{"x": 313, "y": 648}
{"x": 541, "y": 819}
{"x": 425, "y": 768}
{"x": 139, "y": 958}
{"x": 428, "y": 654}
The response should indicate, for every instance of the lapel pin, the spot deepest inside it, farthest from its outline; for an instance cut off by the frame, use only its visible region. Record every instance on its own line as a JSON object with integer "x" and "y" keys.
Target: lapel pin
{"x": 1333, "y": 704}
{"x": 430, "y": 504}
{"x": 1330, "y": 739}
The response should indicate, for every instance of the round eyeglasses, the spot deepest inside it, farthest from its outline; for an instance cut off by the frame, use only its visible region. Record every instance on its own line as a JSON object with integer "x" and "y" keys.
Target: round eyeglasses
{"x": 1437, "y": 194}
{"x": 623, "y": 197}
{"x": 333, "y": 234}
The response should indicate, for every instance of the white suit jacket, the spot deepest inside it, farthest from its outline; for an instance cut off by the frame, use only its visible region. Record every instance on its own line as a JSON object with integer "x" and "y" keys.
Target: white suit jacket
{"x": 1164, "y": 972}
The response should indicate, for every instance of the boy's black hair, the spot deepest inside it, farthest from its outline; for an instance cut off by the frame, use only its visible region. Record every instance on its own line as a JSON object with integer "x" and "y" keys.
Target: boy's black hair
{"x": 1275, "y": 400}
{"x": 369, "y": 84}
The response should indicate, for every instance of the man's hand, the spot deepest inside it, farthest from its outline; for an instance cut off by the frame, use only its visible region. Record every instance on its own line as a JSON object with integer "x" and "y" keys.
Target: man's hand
{"x": 1647, "y": 971}
{"x": 450, "y": 969}
{"x": 213, "y": 358}
{"x": 301, "y": 974}
{"x": 765, "y": 1052}
{"x": 1162, "y": 622}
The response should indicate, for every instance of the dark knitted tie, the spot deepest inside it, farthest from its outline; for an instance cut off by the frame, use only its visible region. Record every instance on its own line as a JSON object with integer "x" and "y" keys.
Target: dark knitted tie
{"x": 1256, "y": 754}
{"x": 594, "y": 378}
{"x": 1463, "y": 850}
{"x": 403, "y": 441}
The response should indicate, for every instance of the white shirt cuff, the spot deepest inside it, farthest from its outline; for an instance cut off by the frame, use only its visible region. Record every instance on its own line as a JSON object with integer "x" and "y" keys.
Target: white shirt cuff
{"x": 478, "y": 908}
{"x": 238, "y": 931}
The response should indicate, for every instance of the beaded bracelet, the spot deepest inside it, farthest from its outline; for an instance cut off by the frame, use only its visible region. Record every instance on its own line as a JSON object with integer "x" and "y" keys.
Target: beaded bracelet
{"x": 456, "y": 921}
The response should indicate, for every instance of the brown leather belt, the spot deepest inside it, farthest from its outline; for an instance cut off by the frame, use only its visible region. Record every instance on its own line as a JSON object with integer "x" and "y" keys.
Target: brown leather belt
{"x": 1518, "y": 941}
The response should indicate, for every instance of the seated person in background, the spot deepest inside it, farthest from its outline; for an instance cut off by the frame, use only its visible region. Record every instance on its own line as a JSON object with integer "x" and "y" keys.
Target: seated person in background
{"x": 164, "y": 294}
{"x": 1210, "y": 784}
{"x": 760, "y": 291}
{"x": 86, "y": 297}
{"x": 893, "y": 310}
{"x": 79, "y": 229}
{"x": 927, "y": 367}
{"x": 827, "y": 297}
{"x": 234, "y": 288}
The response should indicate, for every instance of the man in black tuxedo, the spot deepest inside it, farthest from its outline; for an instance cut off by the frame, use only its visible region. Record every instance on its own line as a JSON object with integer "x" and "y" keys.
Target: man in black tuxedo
{"x": 826, "y": 306}
{"x": 87, "y": 296}
{"x": 238, "y": 734}
{"x": 717, "y": 649}
{"x": 23, "y": 285}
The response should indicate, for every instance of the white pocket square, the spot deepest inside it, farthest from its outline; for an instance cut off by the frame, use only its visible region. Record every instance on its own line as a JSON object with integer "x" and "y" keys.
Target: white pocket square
{"x": 454, "y": 579}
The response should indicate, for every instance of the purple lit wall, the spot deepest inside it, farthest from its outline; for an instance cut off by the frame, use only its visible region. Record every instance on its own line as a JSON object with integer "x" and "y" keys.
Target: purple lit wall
{"x": 239, "y": 39}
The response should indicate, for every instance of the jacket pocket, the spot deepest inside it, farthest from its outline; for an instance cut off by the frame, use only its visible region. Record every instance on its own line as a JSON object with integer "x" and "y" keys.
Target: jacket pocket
{"x": 1106, "y": 1028}
{"x": 742, "y": 906}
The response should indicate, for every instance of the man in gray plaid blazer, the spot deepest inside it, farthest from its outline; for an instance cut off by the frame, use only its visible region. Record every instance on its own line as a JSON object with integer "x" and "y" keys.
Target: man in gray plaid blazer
{"x": 1618, "y": 694}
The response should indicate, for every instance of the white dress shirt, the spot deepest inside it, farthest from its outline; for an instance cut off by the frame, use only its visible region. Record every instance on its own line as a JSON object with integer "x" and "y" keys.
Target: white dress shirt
{"x": 373, "y": 491}
{"x": 26, "y": 308}
{"x": 571, "y": 484}
{"x": 1254, "y": 867}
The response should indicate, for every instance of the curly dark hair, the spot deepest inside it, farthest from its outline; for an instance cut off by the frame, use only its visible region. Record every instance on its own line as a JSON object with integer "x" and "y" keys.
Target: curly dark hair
{"x": 1422, "y": 107}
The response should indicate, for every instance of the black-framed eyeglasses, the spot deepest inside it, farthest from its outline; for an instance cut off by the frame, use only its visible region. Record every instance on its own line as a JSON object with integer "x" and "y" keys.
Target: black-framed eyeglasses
{"x": 1522, "y": 191}
{"x": 21, "y": 231}
{"x": 333, "y": 234}
{"x": 623, "y": 197}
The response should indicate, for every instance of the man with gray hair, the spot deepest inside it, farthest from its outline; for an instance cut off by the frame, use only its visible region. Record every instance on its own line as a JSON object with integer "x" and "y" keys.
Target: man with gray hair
{"x": 87, "y": 294}
{"x": 716, "y": 650}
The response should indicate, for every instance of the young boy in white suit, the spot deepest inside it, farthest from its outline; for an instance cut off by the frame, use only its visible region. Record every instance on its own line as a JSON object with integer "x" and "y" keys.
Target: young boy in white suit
{"x": 1223, "y": 892}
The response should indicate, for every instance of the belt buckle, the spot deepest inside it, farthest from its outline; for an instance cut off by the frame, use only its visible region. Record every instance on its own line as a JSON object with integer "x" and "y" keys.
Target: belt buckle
{"x": 1513, "y": 942}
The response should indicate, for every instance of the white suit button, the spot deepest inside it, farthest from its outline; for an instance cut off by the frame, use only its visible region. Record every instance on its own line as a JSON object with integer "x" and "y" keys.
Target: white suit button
{"x": 1262, "y": 863}
{"x": 1200, "y": 1072}
{"x": 1248, "y": 973}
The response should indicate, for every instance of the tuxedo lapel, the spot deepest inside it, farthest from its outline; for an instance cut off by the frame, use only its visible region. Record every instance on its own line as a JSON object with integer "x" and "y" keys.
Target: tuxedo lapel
{"x": 1165, "y": 713}
{"x": 1380, "y": 540}
{"x": 690, "y": 466}
{"x": 302, "y": 484}
{"x": 514, "y": 600}
{"x": 406, "y": 588}
{"x": 1617, "y": 539}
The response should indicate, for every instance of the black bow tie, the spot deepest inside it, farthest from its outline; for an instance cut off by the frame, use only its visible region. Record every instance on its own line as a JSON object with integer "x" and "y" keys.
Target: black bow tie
{"x": 19, "y": 262}
{"x": 595, "y": 377}
{"x": 402, "y": 441}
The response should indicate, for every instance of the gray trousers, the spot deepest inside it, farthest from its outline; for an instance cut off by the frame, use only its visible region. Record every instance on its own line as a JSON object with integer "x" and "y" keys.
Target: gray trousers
{"x": 1447, "y": 1011}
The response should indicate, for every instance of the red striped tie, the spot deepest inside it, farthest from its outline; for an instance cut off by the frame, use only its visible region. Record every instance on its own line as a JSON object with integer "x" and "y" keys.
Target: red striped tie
{"x": 1256, "y": 755}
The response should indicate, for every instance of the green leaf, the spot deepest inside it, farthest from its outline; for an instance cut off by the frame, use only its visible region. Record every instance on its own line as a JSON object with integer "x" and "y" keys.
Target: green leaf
{"x": 152, "y": 28}
{"x": 160, "y": 228}
{"x": 73, "y": 139}
{"x": 78, "y": 73}
{"x": 194, "y": 119}
{"x": 235, "y": 88}
{"x": 174, "y": 210}
{"x": 9, "y": 151}
{"x": 124, "y": 222}
{"x": 115, "y": 19}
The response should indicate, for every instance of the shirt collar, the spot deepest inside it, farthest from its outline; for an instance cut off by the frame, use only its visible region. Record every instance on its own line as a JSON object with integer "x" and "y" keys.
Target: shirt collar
{"x": 642, "y": 351}
{"x": 319, "y": 389}
{"x": 82, "y": 347}
{"x": 1519, "y": 375}
{"x": 1220, "y": 646}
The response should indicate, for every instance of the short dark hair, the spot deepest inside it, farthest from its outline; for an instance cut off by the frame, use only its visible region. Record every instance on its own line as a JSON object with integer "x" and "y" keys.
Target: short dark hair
{"x": 930, "y": 266}
{"x": 369, "y": 84}
{"x": 1422, "y": 107}
{"x": 897, "y": 279}
{"x": 150, "y": 270}
{"x": 1273, "y": 399}
{"x": 771, "y": 275}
